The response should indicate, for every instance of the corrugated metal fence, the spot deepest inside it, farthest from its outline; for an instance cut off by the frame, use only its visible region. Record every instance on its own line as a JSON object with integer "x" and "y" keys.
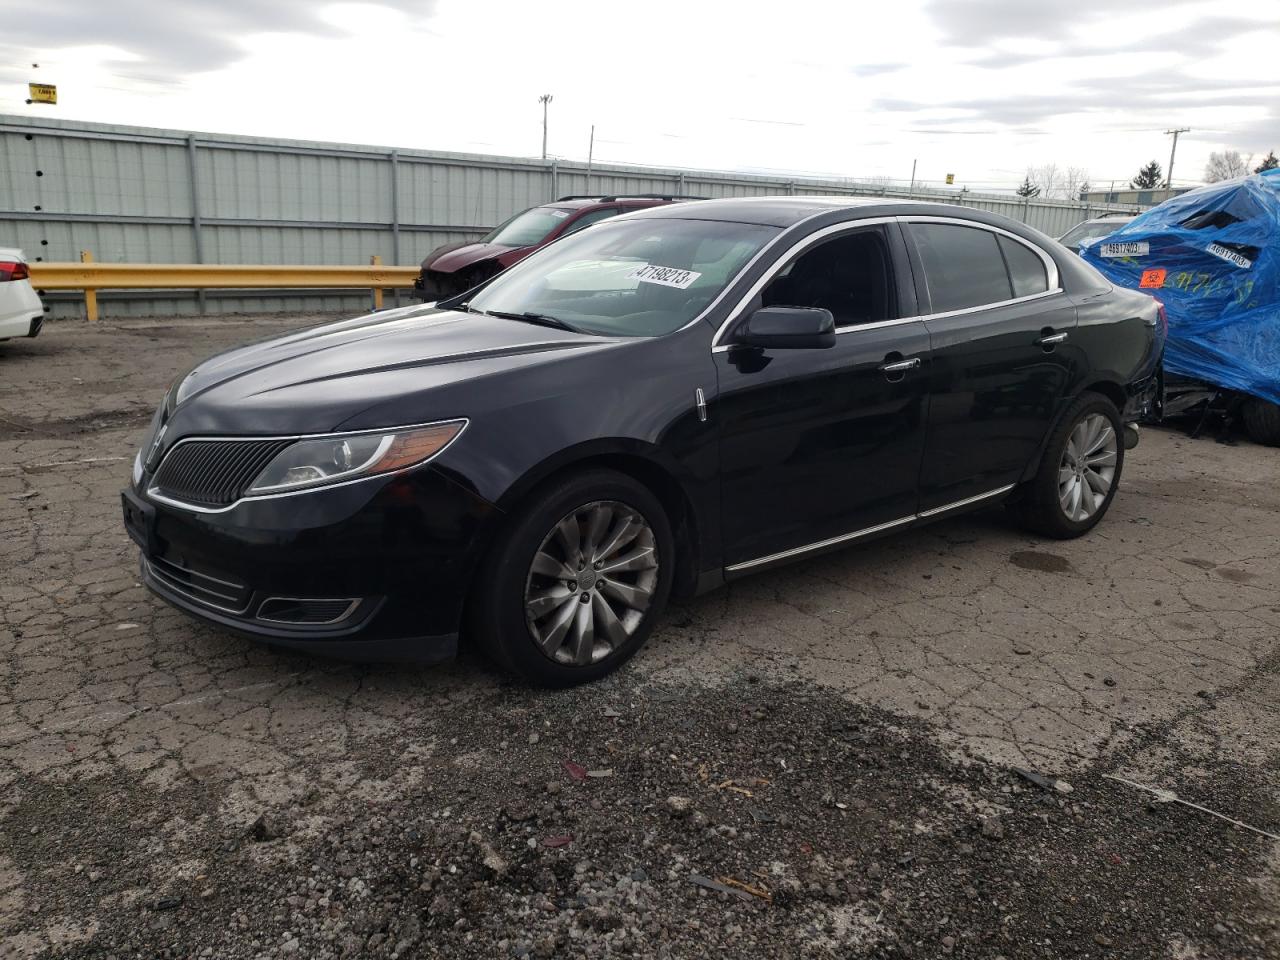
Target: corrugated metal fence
{"x": 135, "y": 194}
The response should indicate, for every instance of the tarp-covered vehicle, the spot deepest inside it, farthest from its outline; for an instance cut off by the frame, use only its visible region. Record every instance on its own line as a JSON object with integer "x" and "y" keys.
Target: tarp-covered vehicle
{"x": 1212, "y": 256}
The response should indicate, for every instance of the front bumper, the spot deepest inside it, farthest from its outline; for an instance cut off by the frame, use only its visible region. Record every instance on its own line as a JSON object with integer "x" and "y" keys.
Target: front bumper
{"x": 375, "y": 570}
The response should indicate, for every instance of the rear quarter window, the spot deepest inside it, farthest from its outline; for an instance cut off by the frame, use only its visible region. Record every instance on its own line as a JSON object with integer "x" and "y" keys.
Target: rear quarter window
{"x": 1026, "y": 270}
{"x": 963, "y": 266}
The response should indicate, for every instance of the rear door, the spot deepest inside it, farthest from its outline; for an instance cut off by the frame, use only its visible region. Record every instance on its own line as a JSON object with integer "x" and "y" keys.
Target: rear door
{"x": 1000, "y": 333}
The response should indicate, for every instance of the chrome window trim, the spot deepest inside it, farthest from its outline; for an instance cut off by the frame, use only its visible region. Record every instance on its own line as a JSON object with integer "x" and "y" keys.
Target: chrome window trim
{"x": 1050, "y": 265}
{"x": 351, "y": 606}
{"x": 154, "y": 494}
{"x": 1051, "y": 271}
{"x": 991, "y": 306}
{"x": 865, "y": 532}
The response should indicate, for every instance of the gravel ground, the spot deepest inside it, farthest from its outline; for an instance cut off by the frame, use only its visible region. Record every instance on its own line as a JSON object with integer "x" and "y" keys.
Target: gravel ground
{"x": 822, "y": 762}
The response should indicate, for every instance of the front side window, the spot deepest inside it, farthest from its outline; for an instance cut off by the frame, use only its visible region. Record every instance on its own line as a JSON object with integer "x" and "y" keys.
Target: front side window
{"x": 962, "y": 266}
{"x": 849, "y": 276}
{"x": 528, "y": 229}
{"x": 632, "y": 278}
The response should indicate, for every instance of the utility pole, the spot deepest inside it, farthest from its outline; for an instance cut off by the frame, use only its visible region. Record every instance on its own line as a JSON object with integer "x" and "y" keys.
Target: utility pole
{"x": 911, "y": 190}
{"x": 544, "y": 100}
{"x": 591, "y": 149}
{"x": 1168, "y": 183}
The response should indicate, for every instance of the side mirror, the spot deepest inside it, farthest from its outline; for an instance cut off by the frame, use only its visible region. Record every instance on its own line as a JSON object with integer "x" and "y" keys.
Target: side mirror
{"x": 788, "y": 328}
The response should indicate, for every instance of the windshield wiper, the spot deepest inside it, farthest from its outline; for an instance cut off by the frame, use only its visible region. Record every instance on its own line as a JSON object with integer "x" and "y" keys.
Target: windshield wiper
{"x": 541, "y": 319}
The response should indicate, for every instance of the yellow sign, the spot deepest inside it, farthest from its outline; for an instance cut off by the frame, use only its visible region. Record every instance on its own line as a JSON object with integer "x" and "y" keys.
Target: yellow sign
{"x": 951, "y": 178}
{"x": 43, "y": 92}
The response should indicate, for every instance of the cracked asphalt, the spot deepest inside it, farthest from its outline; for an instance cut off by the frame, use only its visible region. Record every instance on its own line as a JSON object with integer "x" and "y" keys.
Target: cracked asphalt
{"x": 839, "y": 736}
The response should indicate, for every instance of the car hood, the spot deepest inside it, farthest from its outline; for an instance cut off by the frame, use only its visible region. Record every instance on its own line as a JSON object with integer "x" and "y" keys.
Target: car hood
{"x": 454, "y": 257}
{"x": 324, "y": 378}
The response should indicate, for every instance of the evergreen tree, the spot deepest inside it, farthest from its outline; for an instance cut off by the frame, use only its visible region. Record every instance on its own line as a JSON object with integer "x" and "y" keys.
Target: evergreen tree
{"x": 1028, "y": 189}
{"x": 1269, "y": 162}
{"x": 1148, "y": 177}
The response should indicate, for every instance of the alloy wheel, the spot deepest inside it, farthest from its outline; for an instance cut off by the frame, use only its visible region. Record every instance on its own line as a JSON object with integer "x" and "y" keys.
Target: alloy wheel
{"x": 1088, "y": 467}
{"x": 591, "y": 582}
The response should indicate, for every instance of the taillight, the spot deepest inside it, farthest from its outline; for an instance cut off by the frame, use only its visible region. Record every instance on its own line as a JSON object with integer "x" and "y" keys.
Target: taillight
{"x": 9, "y": 270}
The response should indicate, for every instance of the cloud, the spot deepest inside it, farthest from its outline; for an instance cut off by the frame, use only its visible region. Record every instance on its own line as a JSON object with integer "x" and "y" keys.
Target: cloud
{"x": 178, "y": 37}
{"x": 1194, "y": 40}
{"x": 981, "y": 23}
{"x": 875, "y": 69}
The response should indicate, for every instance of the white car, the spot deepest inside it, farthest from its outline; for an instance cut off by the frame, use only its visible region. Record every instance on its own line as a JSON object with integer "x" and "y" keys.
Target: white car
{"x": 21, "y": 312}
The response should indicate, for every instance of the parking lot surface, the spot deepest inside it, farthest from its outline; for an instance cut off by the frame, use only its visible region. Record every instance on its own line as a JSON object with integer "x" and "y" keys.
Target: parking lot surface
{"x": 813, "y": 762}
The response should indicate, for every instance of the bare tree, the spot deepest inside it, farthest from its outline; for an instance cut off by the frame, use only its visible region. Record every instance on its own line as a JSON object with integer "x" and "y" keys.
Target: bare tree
{"x": 1074, "y": 183}
{"x": 1047, "y": 177}
{"x": 1226, "y": 165}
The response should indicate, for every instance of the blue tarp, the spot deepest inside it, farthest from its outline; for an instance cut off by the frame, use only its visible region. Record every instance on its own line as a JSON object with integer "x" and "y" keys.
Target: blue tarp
{"x": 1212, "y": 256}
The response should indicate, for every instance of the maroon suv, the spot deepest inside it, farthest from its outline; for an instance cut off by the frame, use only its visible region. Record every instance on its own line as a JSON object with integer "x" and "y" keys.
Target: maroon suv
{"x": 456, "y": 267}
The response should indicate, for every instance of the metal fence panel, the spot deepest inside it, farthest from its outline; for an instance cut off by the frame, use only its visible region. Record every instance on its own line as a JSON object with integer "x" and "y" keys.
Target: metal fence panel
{"x": 162, "y": 196}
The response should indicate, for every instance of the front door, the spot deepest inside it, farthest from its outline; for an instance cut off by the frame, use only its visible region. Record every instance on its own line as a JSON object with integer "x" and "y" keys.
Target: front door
{"x": 825, "y": 444}
{"x": 1002, "y": 357}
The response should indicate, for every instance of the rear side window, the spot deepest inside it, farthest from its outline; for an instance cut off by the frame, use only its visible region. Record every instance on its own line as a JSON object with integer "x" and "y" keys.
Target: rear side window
{"x": 962, "y": 266}
{"x": 1026, "y": 269}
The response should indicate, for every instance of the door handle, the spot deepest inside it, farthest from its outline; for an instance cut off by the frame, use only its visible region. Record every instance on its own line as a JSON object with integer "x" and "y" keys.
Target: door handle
{"x": 1052, "y": 339}
{"x": 900, "y": 366}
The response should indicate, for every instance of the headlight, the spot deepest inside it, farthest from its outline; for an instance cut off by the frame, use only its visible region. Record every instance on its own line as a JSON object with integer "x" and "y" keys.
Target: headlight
{"x": 324, "y": 460}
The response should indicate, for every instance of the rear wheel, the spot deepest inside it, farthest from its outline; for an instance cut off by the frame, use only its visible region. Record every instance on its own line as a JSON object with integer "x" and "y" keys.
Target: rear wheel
{"x": 574, "y": 587}
{"x": 1262, "y": 422}
{"x": 1078, "y": 474}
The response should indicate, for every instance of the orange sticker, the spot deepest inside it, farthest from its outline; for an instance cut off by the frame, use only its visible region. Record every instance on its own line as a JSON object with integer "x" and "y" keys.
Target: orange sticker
{"x": 1152, "y": 278}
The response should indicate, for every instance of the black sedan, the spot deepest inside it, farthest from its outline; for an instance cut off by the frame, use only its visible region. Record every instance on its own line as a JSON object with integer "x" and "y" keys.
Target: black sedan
{"x": 654, "y": 405}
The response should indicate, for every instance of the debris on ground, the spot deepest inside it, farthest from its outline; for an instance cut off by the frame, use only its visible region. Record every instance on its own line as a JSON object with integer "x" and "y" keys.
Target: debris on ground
{"x": 1168, "y": 796}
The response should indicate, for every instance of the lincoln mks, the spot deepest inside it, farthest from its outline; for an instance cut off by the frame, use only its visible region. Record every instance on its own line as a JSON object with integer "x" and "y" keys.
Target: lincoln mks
{"x": 651, "y": 406}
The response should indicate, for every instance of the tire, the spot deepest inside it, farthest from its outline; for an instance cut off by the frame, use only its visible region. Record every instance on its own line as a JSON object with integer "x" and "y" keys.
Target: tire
{"x": 1040, "y": 505}
{"x": 1262, "y": 422}
{"x": 622, "y": 606}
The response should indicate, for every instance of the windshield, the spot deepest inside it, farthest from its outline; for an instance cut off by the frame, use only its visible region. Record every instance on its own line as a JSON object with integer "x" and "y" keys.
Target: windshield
{"x": 529, "y": 228}
{"x": 1088, "y": 232}
{"x": 631, "y": 278}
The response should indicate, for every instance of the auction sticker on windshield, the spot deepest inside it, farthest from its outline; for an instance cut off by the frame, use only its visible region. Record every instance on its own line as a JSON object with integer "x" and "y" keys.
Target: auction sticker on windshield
{"x": 667, "y": 276}
{"x": 1133, "y": 248}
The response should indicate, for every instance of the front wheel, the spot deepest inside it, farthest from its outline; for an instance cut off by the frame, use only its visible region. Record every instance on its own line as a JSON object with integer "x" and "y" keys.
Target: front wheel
{"x": 574, "y": 587}
{"x": 1078, "y": 474}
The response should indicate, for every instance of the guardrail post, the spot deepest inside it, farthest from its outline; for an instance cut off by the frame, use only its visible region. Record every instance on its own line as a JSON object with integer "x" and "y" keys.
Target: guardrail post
{"x": 90, "y": 296}
{"x": 395, "y": 216}
{"x": 376, "y": 261}
{"x": 195, "y": 214}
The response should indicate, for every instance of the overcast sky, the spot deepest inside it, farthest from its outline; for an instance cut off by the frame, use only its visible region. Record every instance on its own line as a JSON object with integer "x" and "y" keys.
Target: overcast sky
{"x": 982, "y": 88}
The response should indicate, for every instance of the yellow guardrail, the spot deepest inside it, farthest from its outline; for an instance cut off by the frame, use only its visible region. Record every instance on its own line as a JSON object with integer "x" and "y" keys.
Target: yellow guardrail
{"x": 92, "y": 277}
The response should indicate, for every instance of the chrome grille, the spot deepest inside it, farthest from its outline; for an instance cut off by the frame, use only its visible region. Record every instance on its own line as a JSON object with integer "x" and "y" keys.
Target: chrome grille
{"x": 204, "y": 588}
{"x": 214, "y": 473}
